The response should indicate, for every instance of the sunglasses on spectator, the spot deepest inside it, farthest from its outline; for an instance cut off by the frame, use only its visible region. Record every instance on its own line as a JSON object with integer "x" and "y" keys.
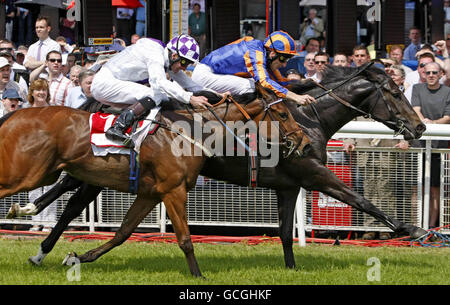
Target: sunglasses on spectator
{"x": 431, "y": 72}
{"x": 386, "y": 65}
{"x": 6, "y": 49}
{"x": 55, "y": 60}
{"x": 320, "y": 62}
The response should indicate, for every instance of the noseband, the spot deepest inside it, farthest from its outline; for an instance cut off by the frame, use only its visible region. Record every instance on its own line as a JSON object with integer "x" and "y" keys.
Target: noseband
{"x": 267, "y": 107}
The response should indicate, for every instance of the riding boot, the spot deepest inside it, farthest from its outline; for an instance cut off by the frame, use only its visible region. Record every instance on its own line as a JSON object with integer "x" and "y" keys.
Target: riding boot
{"x": 127, "y": 118}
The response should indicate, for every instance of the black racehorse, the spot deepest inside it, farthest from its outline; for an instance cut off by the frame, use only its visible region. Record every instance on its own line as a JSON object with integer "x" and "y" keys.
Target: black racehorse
{"x": 343, "y": 94}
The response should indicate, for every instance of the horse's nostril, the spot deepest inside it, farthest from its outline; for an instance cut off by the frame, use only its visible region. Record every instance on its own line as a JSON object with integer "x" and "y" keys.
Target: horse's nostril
{"x": 421, "y": 128}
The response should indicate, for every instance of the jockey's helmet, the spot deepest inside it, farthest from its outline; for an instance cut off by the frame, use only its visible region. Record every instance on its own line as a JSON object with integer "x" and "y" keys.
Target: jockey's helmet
{"x": 281, "y": 42}
{"x": 185, "y": 46}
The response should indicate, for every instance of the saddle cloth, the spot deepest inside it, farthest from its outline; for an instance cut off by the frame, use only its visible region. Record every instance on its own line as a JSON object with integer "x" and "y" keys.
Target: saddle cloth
{"x": 100, "y": 122}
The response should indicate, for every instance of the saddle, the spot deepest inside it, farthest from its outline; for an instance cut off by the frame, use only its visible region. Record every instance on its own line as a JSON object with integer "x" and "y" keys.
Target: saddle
{"x": 102, "y": 118}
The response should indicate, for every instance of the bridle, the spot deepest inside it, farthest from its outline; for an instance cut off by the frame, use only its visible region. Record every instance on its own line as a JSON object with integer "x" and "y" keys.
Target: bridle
{"x": 398, "y": 123}
{"x": 267, "y": 108}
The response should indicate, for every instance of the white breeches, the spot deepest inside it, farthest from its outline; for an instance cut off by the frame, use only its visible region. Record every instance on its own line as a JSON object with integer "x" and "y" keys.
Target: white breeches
{"x": 106, "y": 88}
{"x": 204, "y": 76}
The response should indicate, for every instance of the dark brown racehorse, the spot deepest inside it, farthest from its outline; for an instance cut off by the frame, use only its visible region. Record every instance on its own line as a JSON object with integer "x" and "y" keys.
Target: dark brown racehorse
{"x": 368, "y": 90}
{"x": 38, "y": 143}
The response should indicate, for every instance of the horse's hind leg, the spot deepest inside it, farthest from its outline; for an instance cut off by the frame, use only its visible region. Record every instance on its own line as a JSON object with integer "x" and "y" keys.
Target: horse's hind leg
{"x": 66, "y": 184}
{"x": 175, "y": 203}
{"x": 136, "y": 213}
{"x": 77, "y": 202}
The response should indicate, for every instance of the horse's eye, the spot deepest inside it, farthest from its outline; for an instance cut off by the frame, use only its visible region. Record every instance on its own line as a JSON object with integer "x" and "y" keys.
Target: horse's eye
{"x": 284, "y": 115}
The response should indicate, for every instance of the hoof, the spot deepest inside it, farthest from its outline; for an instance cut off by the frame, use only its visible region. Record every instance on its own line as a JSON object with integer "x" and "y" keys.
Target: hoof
{"x": 35, "y": 260}
{"x": 70, "y": 259}
{"x": 13, "y": 211}
{"x": 417, "y": 232}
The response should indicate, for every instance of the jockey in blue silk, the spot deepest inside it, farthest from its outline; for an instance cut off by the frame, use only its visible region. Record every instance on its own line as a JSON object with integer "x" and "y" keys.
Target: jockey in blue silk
{"x": 237, "y": 66}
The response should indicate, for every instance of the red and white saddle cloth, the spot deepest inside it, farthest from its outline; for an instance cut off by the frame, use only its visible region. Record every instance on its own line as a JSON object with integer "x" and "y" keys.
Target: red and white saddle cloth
{"x": 100, "y": 122}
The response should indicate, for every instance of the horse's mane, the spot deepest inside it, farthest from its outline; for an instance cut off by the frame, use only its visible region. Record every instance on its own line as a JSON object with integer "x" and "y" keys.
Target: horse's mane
{"x": 332, "y": 74}
{"x": 336, "y": 73}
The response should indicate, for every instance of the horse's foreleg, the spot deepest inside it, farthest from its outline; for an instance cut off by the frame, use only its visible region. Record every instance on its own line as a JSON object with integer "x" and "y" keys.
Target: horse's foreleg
{"x": 66, "y": 184}
{"x": 77, "y": 202}
{"x": 136, "y": 213}
{"x": 175, "y": 203}
{"x": 286, "y": 207}
{"x": 325, "y": 181}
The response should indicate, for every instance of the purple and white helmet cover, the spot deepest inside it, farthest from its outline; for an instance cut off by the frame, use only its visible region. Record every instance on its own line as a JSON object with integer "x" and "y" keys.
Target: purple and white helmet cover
{"x": 185, "y": 46}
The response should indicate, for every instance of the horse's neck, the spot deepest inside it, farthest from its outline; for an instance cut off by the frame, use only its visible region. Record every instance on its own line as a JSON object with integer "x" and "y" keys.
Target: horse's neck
{"x": 233, "y": 113}
{"x": 332, "y": 116}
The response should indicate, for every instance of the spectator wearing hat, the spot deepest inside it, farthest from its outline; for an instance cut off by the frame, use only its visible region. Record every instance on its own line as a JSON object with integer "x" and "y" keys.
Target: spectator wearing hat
{"x": 5, "y": 79}
{"x": 10, "y": 101}
{"x": 38, "y": 51}
{"x": 18, "y": 72}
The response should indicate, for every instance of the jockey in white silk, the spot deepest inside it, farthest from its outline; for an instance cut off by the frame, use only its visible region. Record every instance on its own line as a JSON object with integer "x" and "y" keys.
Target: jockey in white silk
{"x": 122, "y": 79}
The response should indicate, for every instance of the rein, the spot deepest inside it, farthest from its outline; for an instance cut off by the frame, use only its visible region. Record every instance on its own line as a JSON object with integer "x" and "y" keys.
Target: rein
{"x": 399, "y": 124}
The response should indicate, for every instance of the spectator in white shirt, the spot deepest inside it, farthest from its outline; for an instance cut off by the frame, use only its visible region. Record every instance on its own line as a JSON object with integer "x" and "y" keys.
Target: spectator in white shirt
{"x": 51, "y": 70}
{"x": 310, "y": 67}
{"x": 38, "y": 51}
{"x": 78, "y": 95}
